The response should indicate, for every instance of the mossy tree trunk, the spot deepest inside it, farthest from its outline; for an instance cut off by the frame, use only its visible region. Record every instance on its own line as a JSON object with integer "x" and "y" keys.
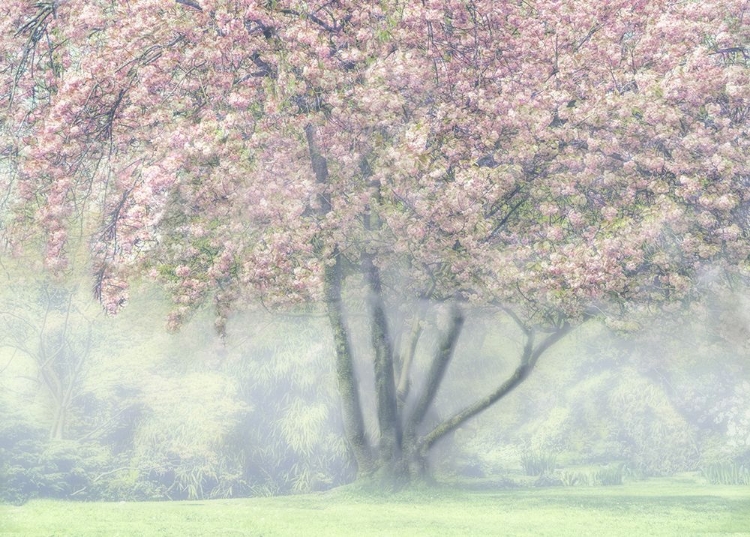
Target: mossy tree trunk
{"x": 354, "y": 424}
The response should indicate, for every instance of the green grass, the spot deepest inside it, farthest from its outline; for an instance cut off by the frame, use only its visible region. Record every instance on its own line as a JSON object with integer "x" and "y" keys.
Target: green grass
{"x": 654, "y": 507}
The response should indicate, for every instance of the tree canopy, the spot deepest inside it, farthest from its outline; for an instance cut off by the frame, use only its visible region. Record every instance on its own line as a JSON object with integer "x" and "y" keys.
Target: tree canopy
{"x": 553, "y": 159}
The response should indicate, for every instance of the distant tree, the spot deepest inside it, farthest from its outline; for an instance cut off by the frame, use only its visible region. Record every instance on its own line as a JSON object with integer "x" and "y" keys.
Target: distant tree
{"x": 51, "y": 331}
{"x": 552, "y": 159}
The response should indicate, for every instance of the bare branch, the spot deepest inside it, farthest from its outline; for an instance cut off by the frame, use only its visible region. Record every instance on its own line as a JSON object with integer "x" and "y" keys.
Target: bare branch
{"x": 437, "y": 369}
{"x": 528, "y": 361}
{"x": 190, "y": 3}
{"x": 407, "y": 357}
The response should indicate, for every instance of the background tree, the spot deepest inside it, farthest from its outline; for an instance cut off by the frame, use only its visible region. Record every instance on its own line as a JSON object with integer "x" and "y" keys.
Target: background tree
{"x": 553, "y": 160}
{"x": 50, "y": 345}
{"x": 57, "y": 336}
{"x": 156, "y": 416}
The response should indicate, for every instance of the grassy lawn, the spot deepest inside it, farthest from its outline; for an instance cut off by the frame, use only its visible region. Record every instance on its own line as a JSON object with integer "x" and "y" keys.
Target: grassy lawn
{"x": 654, "y": 507}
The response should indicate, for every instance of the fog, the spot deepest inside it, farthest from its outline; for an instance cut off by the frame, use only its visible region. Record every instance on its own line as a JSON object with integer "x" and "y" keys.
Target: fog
{"x": 116, "y": 408}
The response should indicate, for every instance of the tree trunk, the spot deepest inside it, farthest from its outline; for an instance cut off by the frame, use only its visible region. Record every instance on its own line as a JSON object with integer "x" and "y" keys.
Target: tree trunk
{"x": 57, "y": 431}
{"x": 417, "y": 462}
{"x": 57, "y": 394}
{"x": 402, "y": 453}
{"x": 437, "y": 371}
{"x": 354, "y": 425}
{"x": 385, "y": 384}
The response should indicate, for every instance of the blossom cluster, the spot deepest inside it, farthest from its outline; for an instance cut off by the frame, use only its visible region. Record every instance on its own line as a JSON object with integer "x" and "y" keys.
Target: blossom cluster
{"x": 547, "y": 154}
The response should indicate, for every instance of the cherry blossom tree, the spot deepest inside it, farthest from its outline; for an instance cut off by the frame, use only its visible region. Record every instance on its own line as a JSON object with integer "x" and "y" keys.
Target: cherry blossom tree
{"x": 554, "y": 160}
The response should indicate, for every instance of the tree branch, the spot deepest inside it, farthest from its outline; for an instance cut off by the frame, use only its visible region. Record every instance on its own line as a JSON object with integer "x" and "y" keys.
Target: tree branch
{"x": 190, "y": 3}
{"x": 437, "y": 369}
{"x": 407, "y": 357}
{"x": 521, "y": 373}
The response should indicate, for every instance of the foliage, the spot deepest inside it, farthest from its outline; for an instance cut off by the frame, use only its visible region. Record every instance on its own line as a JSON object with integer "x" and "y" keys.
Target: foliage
{"x": 571, "y": 479}
{"x": 48, "y": 347}
{"x": 607, "y": 476}
{"x": 538, "y": 463}
{"x": 551, "y": 161}
{"x": 46, "y": 324}
{"x": 610, "y": 162}
{"x": 611, "y": 475}
{"x": 733, "y": 411}
{"x": 726, "y": 473}
{"x": 655, "y": 438}
{"x": 294, "y": 441}
{"x": 597, "y": 401}
{"x": 615, "y": 409}
{"x": 179, "y": 443}
{"x": 33, "y": 466}
{"x": 161, "y": 417}
{"x": 20, "y": 445}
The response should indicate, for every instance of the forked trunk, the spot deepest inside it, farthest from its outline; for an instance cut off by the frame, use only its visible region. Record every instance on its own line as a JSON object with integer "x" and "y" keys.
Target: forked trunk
{"x": 400, "y": 455}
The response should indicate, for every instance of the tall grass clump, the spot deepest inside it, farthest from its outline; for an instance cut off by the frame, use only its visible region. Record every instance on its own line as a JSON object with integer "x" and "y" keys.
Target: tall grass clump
{"x": 607, "y": 476}
{"x": 536, "y": 463}
{"x": 726, "y": 473}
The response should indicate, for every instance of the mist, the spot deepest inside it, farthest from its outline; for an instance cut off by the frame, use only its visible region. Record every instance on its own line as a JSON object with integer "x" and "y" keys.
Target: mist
{"x": 117, "y": 408}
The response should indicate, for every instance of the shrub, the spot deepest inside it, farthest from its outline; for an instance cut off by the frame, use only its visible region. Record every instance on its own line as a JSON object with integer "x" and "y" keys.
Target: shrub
{"x": 607, "y": 476}
{"x": 726, "y": 473}
{"x": 21, "y": 444}
{"x": 571, "y": 478}
{"x": 610, "y": 475}
{"x": 180, "y": 446}
{"x": 52, "y": 469}
{"x": 535, "y": 463}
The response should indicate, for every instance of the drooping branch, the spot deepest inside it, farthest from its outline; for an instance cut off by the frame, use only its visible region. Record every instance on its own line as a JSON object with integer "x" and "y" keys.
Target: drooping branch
{"x": 36, "y": 29}
{"x": 529, "y": 359}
